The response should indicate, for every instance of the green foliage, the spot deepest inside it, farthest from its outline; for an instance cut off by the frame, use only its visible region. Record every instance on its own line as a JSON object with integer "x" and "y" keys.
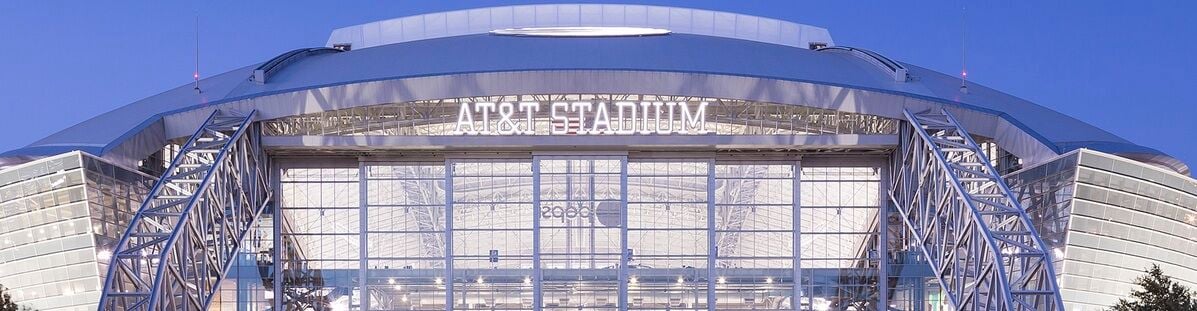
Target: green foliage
{"x": 7, "y": 304}
{"x": 1158, "y": 292}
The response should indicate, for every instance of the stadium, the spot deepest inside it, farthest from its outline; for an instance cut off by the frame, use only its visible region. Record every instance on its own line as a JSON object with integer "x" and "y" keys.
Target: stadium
{"x": 587, "y": 157}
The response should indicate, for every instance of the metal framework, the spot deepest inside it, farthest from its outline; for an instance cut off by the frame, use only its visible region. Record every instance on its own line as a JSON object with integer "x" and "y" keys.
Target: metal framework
{"x": 966, "y": 221}
{"x": 182, "y": 241}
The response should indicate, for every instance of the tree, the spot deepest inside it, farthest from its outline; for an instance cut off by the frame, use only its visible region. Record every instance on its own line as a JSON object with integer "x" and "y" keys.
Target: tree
{"x": 6, "y": 303}
{"x": 1158, "y": 292}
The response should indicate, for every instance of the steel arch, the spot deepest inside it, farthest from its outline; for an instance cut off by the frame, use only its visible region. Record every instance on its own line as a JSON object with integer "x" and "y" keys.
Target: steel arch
{"x": 971, "y": 228}
{"x": 183, "y": 239}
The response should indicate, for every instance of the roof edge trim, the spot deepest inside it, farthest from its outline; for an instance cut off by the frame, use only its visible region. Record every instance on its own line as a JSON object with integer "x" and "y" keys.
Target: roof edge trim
{"x": 484, "y": 20}
{"x": 263, "y": 72}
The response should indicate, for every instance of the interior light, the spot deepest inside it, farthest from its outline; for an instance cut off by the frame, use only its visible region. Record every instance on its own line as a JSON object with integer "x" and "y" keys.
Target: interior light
{"x": 527, "y": 280}
{"x": 391, "y": 281}
{"x": 439, "y": 281}
{"x": 722, "y": 280}
{"x": 104, "y": 255}
{"x": 479, "y": 280}
{"x": 768, "y": 280}
{"x": 681, "y": 280}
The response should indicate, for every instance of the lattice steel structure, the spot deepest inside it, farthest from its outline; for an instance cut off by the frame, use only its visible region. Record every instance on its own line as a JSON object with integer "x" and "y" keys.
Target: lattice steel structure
{"x": 181, "y": 242}
{"x": 966, "y": 221}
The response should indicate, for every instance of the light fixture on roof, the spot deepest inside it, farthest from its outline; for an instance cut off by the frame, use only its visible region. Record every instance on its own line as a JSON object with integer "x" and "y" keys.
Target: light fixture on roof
{"x": 579, "y": 32}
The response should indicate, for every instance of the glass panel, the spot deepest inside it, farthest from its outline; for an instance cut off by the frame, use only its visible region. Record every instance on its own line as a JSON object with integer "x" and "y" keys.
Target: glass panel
{"x": 492, "y": 235}
{"x": 580, "y": 216}
{"x": 321, "y": 235}
{"x": 754, "y": 204}
{"x": 839, "y": 258}
{"x": 405, "y": 204}
{"x": 667, "y": 233}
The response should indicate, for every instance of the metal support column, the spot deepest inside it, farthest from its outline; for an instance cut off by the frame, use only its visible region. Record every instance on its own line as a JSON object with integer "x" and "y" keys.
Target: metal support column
{"x": 623, "y": 233}
{"x": 883, "y": 242}
{"x": 448, "y": 281}
{"x": 363, "y": 238}
{"x": 712, "y": 248}
{"x": 796, "y": 300}
{"x": 277, "y": 266}
{"x": 537, "y": 275}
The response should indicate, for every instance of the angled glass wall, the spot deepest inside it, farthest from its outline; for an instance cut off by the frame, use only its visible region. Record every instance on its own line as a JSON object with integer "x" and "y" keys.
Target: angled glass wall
{"x": 58, "y": 216}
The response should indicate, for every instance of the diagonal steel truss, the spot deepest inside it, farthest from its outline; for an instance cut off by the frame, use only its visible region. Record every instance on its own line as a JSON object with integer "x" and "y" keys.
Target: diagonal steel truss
{"x": 966, "y": 221}
{"x": 183, "y": 239}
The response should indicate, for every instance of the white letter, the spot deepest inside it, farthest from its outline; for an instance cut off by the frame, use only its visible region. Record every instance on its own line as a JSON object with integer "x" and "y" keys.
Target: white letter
{"x": 506, "y": 126}
{"x": 644, "y": 108}
{"x": 626, "y": 127}
{"x": 601, "y": 117}
{"x": 698, "y": 120}
{"x": 582, "y": 108}
{"x": 563, "y": 127}
{"x": 657, "y": 118}
{"x": 464, "y": 119}
{"x": 486, "y": 109}
{"x": 669, "y": 122}
{"x": 530, "y": 109}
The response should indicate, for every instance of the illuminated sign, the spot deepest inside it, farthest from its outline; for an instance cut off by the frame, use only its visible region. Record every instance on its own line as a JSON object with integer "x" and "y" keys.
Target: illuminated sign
{"x": 582, "y": 118}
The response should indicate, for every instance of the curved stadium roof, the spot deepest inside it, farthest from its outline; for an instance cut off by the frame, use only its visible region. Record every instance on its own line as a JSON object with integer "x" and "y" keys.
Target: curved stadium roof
{"x": 710, "y": 54}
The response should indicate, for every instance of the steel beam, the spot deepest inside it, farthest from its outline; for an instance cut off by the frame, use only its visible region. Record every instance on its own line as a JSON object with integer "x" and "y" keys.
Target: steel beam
{"x": 186, "y": 234}
{"x": 965, "y": 220}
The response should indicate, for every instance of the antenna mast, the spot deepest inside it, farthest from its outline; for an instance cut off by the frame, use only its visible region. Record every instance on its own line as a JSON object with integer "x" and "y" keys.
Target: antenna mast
{"x": 963, "y": 49}
{"x": 197, "y": 55}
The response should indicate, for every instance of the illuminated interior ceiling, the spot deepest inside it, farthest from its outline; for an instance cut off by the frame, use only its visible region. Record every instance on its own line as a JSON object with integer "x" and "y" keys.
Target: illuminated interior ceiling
{"x": 439, "y": 117}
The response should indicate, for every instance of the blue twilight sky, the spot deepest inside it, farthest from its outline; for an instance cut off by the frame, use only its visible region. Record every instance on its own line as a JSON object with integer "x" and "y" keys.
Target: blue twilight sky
{"x": 1125, "y": 66}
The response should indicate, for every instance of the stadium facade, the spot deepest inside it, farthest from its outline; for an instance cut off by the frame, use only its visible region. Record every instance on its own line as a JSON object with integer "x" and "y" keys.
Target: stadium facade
{"x": 587, "y": 157}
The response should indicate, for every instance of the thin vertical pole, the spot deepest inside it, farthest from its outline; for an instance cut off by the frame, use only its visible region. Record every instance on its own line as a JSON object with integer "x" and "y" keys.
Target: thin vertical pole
{"x": 623, "y": 233}
{"x": 712, "y": 249}
{"x": 448, "y": 281}
{"x": 363, "y": 243}
{"x": 883, "y": 240}
{"x": 275, "y": 172}
{"x": 796, "y": 300}
{"x": 537, "y": 275}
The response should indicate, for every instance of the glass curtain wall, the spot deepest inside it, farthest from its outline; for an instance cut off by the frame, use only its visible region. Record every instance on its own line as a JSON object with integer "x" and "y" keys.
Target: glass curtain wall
{"x": 320, "y": 216}
{"x": 839, "y": 217}
{"x": 405, "y": 235}
{"x": 552, "y": 233}
{"x": 668, "y": 215}
{"x": 754, "y": 235}
{"x": 580, "y": 238}
{"x": 492, "y": 234}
